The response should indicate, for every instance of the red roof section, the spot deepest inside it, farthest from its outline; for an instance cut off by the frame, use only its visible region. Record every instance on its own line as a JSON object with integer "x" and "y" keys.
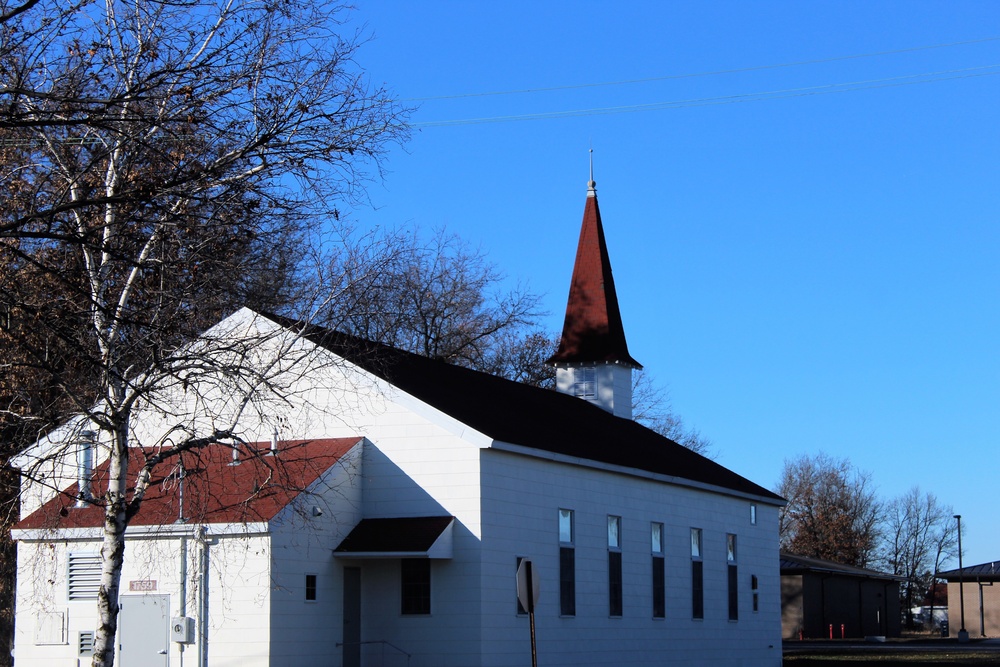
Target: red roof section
{"x": 214, "y": 490}
{"x": 592, "y": 330}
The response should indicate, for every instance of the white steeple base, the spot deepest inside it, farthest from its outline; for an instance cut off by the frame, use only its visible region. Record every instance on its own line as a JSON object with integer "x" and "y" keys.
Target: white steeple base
{"x": 607, "y": 385}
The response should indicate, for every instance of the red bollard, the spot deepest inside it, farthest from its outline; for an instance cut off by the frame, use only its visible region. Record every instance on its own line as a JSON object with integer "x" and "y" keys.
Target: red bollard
{"x": 841, "y": 630}
{"x": 831, "y": 631}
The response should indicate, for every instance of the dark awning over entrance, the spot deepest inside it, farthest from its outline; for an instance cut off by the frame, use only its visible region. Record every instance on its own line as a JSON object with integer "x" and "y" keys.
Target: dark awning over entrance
{"x": 403, "y": 537}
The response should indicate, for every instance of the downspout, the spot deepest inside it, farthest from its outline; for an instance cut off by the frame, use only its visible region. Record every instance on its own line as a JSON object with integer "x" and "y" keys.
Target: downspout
{"x": 201, "y": 605}
{"x": 183, "y": 590}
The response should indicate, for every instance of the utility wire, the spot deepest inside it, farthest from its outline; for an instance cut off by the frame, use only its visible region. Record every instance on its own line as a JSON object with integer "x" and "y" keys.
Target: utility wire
{"x": 910, "y": 79}
{"x": 699, "y": 74}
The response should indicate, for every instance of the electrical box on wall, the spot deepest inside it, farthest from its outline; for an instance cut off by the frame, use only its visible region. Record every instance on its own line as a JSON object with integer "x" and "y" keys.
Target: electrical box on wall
{"x": 182, "y": 629}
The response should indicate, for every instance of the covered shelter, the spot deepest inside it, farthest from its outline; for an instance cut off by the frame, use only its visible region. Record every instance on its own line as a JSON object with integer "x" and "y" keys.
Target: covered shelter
{"x": 981, "y": 598}
{"x": 821, "y": 599}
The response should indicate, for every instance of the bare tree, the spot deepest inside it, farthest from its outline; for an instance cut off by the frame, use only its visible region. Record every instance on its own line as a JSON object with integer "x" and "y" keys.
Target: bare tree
{"x": 832, "y": 513}
{"x": 437, "y": 297}
{"x": 651, "y": 408}
{"x": 159, "y": 146}
{"x": 920, "y": 535}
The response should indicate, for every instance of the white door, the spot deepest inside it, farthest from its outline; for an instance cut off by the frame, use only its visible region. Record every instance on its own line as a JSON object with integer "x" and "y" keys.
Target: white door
{"x": 144, "y": 630}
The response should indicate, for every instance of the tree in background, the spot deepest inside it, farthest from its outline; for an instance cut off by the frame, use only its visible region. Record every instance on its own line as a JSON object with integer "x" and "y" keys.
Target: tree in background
{"x": 832, "y": 513}
{"x": 164, "y": 159}
{"x": 651, "y": 408}
{"x": 438, "y": 297}
{"x": 920, "y": 534}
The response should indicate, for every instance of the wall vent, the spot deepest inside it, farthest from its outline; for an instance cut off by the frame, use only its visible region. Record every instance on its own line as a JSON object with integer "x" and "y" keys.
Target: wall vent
{"x": 84, "y": 575}
{"x": 85, "y": 643}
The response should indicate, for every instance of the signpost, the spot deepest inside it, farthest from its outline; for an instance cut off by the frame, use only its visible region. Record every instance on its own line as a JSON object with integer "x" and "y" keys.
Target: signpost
{"x": 527, "y": 595}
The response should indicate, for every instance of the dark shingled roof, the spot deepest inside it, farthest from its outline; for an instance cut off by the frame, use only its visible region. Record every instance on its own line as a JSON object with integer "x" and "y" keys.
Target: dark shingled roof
{"x": 519, "y": 414}
{"x": 793, "y": 564}
{"x": 592, "y": 330}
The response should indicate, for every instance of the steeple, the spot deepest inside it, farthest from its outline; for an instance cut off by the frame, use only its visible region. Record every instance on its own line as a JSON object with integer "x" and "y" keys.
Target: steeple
{"x": 593, "y": 336}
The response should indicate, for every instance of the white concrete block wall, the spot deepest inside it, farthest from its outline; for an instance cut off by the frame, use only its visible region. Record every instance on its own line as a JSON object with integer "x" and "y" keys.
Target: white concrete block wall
{"x": 238, "y": 597}
{"x": 521, "y": 499}
{"x": 414, "y": 467}
{"x": 306, "y": 632}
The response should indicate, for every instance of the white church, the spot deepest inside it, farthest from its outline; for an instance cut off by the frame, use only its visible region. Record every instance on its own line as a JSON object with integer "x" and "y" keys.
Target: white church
{"x": 379, "y": 513}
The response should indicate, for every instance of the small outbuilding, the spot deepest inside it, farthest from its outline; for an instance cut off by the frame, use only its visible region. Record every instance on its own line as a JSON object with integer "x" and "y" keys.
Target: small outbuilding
{"x": 981, "y": 598}
{"x": 821, "y": 599}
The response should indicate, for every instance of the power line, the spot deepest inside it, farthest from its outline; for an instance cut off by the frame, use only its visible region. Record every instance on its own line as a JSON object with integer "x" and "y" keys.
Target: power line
{"x": 852, "y": 86}
{"x": 690, "y": 75}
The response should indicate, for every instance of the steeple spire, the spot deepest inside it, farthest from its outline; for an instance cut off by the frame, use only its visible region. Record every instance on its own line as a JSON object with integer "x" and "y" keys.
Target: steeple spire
{"x": 593, "y": 335}
{"x": 591, "y": 184}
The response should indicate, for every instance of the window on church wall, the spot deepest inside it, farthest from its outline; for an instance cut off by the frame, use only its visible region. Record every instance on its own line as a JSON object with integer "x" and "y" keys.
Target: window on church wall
{"x": 567, "y": 564}
{"x": 585, "y": 383}
{"x": 734, "y": 607}
{"x": 697, "y": 576}
{"x": 614, "y": 566}
{"x": 659, "y": 570}
{"x": 415, "y": 576}
{"x": 310, "y": 588}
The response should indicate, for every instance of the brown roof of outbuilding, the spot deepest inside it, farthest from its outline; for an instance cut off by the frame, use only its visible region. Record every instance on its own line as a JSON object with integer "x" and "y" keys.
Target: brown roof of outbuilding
{"x": 795, "y": 564}
{"x": 214, "y": 490}
{"x": 983, "y": 572}
{"x": 592, "y": 329}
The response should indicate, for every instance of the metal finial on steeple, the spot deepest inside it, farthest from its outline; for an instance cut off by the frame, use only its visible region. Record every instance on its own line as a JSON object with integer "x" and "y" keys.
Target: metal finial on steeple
{"x": 591, "y": 185}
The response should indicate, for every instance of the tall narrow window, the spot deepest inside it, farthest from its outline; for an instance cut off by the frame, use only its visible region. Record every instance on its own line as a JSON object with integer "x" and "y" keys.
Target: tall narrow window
{"x": 416, "y": 585}
{"x": 659, "y": 570}
{"x": 734, "y": 601}
{"x": 310, "y": 588}
{"x": 614, "y": 566}
{"x": 753, "y": 514}
{"x": 697, "y": 576}
{"x": 756, "y": 593}
{"x": 567, "y": 564}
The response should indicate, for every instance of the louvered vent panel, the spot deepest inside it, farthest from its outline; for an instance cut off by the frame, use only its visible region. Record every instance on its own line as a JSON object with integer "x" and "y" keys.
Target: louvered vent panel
{"x": 85, "y": 643}
{"x": 84, "y": 576}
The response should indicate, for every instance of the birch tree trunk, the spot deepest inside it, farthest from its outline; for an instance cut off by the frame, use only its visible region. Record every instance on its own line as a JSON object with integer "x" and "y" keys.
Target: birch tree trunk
{"x": 164, "y": 164}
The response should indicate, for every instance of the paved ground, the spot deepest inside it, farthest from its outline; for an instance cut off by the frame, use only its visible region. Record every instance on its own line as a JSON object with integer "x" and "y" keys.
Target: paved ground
{"x": 922, "y": 644}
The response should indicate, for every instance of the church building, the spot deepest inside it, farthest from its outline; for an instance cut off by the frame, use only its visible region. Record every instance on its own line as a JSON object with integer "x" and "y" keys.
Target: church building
{"x": 382, "y": 504}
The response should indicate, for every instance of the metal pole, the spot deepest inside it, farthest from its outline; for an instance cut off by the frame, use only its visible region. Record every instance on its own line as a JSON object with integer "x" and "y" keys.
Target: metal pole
{"x": 531, "y": 613}
{"x": 982, "y": 616}
{"x": 963, "y": 635}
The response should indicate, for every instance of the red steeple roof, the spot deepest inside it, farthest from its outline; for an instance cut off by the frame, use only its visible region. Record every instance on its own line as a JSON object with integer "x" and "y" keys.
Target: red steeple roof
{"x": 592, "y": 331}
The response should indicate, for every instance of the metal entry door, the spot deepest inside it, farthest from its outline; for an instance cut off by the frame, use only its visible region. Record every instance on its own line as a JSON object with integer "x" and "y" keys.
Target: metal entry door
{"x": 144, "y": 630}
{"x": 352, "y": 617}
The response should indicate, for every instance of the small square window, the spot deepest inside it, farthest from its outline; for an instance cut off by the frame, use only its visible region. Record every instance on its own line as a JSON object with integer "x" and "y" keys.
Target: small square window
{"x": 614, "y": 532}
{"x": 566, "y": 526}
{"x": 656, "y": 537}
{"x": 696, "y": 543}
{"x": 310, "y": 588}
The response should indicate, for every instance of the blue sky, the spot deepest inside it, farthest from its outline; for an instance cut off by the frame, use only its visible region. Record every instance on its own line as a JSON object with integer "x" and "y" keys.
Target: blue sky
{"x": 801, "y": 201}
